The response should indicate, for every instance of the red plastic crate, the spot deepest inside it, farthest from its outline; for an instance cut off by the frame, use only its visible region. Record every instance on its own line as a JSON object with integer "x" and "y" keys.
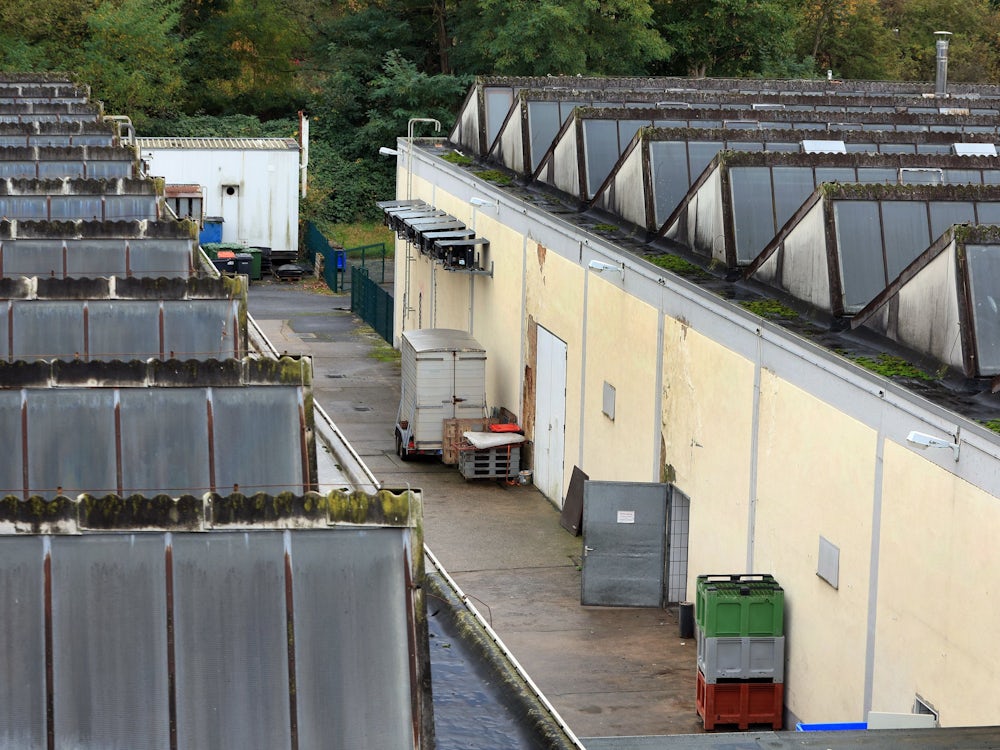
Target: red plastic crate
{"x": 740, "y": 703}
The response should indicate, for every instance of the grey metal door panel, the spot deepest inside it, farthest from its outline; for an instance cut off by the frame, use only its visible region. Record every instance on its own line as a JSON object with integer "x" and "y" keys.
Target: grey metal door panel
{"x": 624, "y": 542}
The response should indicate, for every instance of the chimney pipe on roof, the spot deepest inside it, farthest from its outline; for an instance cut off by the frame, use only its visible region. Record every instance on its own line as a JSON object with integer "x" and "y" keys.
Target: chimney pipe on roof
{"x": 941, "y": 81}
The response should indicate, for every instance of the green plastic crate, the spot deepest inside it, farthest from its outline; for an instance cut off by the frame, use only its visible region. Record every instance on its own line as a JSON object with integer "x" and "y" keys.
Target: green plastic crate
{"x": 739, "y": 605}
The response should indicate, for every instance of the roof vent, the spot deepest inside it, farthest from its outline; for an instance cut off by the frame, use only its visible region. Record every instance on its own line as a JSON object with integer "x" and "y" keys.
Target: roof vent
{"x": 941, "y": 82}
{"x": 974, "y": 149}
{"x": 823, "y": 147}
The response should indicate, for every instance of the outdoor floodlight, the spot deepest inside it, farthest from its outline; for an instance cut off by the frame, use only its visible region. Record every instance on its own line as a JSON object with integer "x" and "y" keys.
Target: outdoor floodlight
{"x": 924, "y": 441}
{"x": 601, "y": 267}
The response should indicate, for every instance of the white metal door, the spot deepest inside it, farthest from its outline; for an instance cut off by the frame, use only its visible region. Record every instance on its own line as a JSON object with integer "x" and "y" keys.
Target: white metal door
{"x": 550, "y": 415}
{"x": 231, "y": 229}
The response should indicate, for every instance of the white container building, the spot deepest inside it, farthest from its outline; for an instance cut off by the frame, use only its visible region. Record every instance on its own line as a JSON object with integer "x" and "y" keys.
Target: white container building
{"x": 252, "y": 184}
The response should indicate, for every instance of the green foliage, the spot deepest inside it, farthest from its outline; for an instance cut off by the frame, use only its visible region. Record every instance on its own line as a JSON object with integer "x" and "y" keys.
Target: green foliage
{"x": 678, "y": 265}
{"x": 606, "y": 227}
{"x": 769, "y": 308}
{"x": 495, "y": 176}
{"x": 116, "y": 58}
{"x": 456, "y": 158}
{"x": 361, "y": 234}
{"x": 515, "y": 37}
{"x": 973, "y": 54}
{"x": 992, "y": 424}
{"x": 892, "y": 367}
{"x": 345, "y": 190}
{"x": 245, "y": 60}
{"x": 401, "y": 92}
{"x": 728, "y": 37}
{"x": 850, "y": 39}
{"x": 225, "y": 126}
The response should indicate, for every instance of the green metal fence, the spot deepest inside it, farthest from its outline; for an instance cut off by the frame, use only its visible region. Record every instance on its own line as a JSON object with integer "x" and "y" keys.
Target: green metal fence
{"x": 371, "y": 302}
{"x": 335, "y": 260}
{"x": 372, "y": 258}
{"x": 316, "y": 243}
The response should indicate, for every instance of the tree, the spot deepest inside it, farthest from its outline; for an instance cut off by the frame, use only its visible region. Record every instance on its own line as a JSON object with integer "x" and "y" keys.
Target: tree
{"x": 133, "y": 56}
{"x": 849, "y": 37}
{"x": 37, "y": 36}
{"x": 557, "y": 37}
{"x": 728, "y": 37}
{"x": 973, "y": 55}
{"x": 246, "y": 58}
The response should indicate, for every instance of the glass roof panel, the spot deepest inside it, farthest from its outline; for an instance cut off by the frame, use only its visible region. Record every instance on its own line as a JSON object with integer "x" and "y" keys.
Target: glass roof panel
{"x": 859, "y": 249}
{"x": 984, "y": 282}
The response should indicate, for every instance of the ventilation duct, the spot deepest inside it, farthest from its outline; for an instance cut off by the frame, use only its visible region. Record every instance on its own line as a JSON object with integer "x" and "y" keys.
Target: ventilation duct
{"x": 941, "y": 81}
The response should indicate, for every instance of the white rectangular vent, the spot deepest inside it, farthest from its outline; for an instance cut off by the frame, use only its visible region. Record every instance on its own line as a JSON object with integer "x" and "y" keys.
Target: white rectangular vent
{"x": 828, "y": 567}
{"x": 609, "y": 401}
{"x": 823, "y": 147}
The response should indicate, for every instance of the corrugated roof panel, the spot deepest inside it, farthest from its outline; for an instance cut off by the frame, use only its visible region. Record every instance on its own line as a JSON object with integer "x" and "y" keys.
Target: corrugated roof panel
{"x": 243, "y": 144}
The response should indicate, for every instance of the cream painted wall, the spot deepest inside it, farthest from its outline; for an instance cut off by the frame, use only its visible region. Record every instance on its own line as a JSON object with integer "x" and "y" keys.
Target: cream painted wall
{"x": 816, "y": 472}
{"x": 938, "y": 615}
{"x": 497, "y": 310}
{"x": 815, "y": 476}
{"x": 554, "y": 300}
{"x": 622, "y": 350}
{"x": 707, "y": 425}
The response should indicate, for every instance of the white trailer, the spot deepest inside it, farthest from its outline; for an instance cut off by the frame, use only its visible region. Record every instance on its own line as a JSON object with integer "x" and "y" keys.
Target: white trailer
{"x": 443, "y": 377}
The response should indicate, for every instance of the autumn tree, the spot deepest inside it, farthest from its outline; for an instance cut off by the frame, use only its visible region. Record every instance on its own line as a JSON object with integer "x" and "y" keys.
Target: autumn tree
{"x": 973, "y": 54}
{"x": 848, "y": 37}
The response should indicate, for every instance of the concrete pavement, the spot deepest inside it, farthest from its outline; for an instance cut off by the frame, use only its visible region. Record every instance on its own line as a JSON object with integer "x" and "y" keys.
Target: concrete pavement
{"x": 607, "y": 671}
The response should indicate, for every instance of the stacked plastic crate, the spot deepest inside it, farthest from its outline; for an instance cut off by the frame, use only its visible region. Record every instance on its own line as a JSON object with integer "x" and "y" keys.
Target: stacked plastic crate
{"x": 741, "y": 650}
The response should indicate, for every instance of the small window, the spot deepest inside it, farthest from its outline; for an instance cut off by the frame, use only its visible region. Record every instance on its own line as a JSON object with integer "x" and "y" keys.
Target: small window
{"x": 609, "y": 401}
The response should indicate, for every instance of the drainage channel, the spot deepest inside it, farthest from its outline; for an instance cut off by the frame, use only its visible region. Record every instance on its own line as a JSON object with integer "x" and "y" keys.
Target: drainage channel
{"x": 483, "y": 699}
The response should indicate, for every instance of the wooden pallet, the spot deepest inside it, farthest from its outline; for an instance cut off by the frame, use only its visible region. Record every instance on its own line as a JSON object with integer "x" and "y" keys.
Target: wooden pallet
{"x": 501, "y": 462}
{"x": 452, "y": 441}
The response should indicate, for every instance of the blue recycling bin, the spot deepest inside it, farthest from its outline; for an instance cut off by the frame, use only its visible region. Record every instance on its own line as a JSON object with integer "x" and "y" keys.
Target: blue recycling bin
{"x": 211, "y": 230}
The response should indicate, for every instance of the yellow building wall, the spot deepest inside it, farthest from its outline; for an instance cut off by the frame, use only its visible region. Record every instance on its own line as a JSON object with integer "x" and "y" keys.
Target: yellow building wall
{"x": 622, "y": 351}
{"x": 707, "y": 426}
{"x": 497, "y": 310}
{"x": 554, "y": 300}
{"x": 488, "y": 307}
{"x": 816, "y": 476}
{"x": 938, "y": 593}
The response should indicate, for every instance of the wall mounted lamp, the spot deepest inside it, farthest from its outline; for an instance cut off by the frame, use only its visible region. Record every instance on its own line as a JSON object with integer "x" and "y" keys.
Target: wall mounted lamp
{"x": 386, "y": 151}
{"x": 601, "y": 267}
{"x": 924, "y": 441}
{"x": 483, "y": 202}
